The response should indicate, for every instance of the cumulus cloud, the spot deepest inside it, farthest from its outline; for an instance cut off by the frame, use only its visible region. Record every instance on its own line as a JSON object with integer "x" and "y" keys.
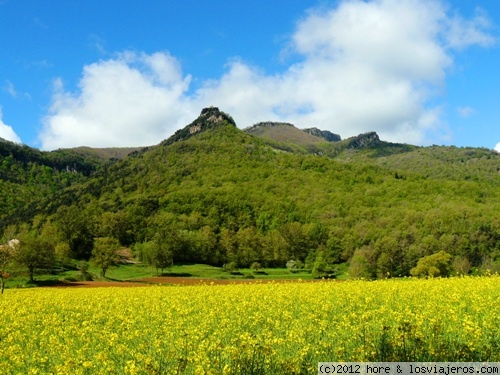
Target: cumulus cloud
{"x": 132, "y": 100}
{"x": 367, "y": 65}
{"x": 6, "y": 131}
{"x": 363, "y": 65}
{"x": 497, "y": 147}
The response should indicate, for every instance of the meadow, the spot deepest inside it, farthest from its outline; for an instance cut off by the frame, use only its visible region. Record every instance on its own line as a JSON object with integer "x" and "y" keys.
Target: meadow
{"x": 139, "y": 272}
{"x": 262, "y": 328}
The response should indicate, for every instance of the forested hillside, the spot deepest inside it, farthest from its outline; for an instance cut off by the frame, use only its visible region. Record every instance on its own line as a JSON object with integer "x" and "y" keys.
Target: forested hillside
{"x": 30, "y": 178}
{"x": 215, "y": 194}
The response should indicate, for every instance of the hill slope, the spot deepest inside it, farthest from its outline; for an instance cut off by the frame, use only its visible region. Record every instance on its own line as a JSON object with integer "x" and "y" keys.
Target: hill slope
{"x": 284, "y": 133}
{"x": 103, "y": 154}
{"x": 30, "y": 178}
{"x": 218, "y": 195}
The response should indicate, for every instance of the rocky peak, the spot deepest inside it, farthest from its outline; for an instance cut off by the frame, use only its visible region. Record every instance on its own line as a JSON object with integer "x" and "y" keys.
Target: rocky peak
{"x": 363, "y": 140}
{"x": 214, "y": 115}
{"x": 325, "y": 134}
{"x": 209, "y": 118}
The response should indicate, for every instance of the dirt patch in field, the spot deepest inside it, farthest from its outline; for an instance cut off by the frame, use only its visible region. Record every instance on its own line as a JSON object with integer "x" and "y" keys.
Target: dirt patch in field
{"x": 165, "y": 280}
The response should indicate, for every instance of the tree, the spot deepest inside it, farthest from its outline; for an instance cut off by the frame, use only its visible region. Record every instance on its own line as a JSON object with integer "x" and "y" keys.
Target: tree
{"x": 274, "y": 249}
{"x": 249, "y": 246}
{"x": 76, "y": 227}
{"x": 294, "y": 265}
{"x": 461, "y": 265}
{"x": 333, "y": 251}
{"x": 34, "y": 252}
{"x": 322, "y": 268}
{"x": 256, "y": 268}
{"x": 231, "y": 267}
{"x": 105, "y": 253}
{"x": 227, "y": 243}
{"x": 7, "y": 252}
{"x": 51, "y": 234}
{"x": 116, "y": 224}
{"x": 360, "y": 266}
{"x": 8, "y": 245}
{"x": 433, "y": 265}
{"x": 5, "y": 259}
{"x": 296, "y": 239}
{"x": 159, "y": 252}
{"x": 84, "y": 271}
{"x": 389, "y": 251}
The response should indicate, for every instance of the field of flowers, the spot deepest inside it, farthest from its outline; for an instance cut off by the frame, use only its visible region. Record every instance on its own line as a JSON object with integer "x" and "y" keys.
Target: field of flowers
{"x": 273, "y": 328}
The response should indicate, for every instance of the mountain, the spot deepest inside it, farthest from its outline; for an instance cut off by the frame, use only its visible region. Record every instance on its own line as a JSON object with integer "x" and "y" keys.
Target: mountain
{"x": 285, "y": 134}
{"x": 288, "y": 133}
{"x": 286, "y": 137}
{"x": 325, "y": 134}
{"x": 103, "y": 154}
{"x": 209, "y": 118}
{"x": 212, "y": 193}
{"x": 29, "y": 178}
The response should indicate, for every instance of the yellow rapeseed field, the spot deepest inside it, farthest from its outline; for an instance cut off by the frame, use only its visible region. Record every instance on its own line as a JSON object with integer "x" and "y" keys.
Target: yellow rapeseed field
{"x": 247, "y": 329}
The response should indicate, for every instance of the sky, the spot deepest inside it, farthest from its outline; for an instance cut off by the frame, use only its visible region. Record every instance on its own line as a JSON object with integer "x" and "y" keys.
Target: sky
{"x": 123, "y": 73}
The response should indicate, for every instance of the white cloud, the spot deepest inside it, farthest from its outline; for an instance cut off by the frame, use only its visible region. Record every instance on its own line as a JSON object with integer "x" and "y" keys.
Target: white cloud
{"x": 365, "y": 65}
{"x": 466, "y": 111}
{"x": 497, "y": 147}
{"x": 462, "y": 33}
{"x": 132, "y": 100}
{"x": 6, "y": 131}
{"x": 10, "y": 89}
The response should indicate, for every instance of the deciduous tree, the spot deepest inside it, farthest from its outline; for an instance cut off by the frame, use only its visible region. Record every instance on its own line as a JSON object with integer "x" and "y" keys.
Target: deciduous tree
{"x": 34, "y": 252}
{"x": 8, "y": 245}
{"x": 105, "y": 253}
{"x": 433, "y": 265}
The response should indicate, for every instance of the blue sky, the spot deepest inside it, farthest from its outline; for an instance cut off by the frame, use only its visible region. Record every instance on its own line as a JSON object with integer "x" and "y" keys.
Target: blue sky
{"x": 130, "y": 73}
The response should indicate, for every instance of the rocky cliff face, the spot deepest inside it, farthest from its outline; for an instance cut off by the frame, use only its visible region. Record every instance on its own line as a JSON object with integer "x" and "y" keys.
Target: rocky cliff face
{"x": 325, "y": 134}
{"x": 212, "y": 115}
{"x": 209, "y": 118}
{"x": 363, "y": 140}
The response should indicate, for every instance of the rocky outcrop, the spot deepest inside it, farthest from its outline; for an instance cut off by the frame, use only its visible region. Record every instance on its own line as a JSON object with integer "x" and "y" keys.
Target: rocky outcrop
{"x": 213, "y": 115}
{"x": 325, "y": 134}
{"x": 209, "y": 118}
{"x": 363, "y": 140}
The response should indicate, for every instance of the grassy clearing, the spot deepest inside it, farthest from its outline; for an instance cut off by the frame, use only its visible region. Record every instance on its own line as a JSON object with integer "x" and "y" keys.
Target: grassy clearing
{"x": 137, "y": 271}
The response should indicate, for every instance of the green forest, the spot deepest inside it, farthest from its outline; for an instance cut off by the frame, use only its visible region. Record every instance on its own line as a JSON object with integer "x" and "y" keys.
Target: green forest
{"x": 217, "y": 195}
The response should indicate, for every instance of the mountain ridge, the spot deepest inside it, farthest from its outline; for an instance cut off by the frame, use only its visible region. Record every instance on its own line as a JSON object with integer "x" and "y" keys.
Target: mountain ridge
{"x": 216, "y": 194}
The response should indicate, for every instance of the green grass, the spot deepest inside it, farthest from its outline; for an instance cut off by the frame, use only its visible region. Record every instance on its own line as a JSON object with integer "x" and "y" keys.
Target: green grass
{"x": 131, "y": 272}
{"x": 139, "y": 271}
{"x": 343, "y": 269}
{"x": 206, "y": 271}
